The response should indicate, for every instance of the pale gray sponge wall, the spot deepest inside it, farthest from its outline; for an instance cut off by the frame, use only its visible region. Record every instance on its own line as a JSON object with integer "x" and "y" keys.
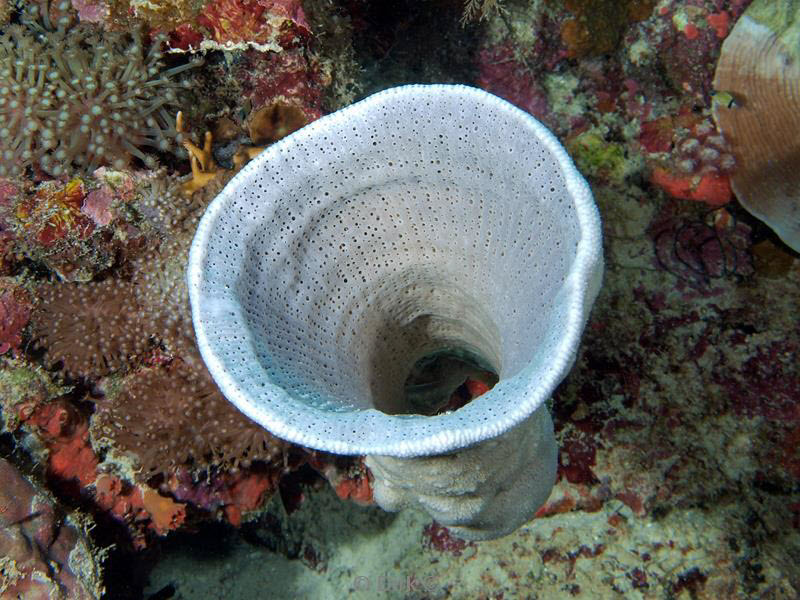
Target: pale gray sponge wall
{"x": 482, "y": 492}
{"x": 421, "y": 218}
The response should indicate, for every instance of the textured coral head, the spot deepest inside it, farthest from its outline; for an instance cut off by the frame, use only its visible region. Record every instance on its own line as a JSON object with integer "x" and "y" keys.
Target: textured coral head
{"x": 424, "y": 221}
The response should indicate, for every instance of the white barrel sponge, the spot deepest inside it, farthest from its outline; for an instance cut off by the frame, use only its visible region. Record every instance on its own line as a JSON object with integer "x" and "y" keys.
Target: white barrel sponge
{"x": 424, "y": 219}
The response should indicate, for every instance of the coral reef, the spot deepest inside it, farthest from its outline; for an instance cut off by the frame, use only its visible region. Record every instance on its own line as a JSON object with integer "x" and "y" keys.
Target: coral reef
{"x": 678, "y": 427}
{"x": 142, "y": 325}
{"x": 619, "y": 117}
{"x": 135, "y": 504}
{"x": 73, "y": 466}
{"x": 165, "y": 15}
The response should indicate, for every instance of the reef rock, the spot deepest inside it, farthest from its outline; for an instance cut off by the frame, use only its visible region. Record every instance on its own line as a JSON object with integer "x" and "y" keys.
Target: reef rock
{"x": 42, "y": 555}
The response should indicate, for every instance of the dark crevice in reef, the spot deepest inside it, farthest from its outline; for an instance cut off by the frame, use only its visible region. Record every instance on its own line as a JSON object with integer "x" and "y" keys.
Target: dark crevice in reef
{"x": 412, "y": 42}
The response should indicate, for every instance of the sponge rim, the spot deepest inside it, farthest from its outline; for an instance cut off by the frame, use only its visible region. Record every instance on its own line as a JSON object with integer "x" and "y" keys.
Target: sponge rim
{"x": 579, "y": 290}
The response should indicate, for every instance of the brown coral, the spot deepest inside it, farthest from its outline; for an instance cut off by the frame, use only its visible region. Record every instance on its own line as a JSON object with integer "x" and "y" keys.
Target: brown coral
{"x": 597, "y": 26}
{"x": 275, "y": 121}
{"x": 175, "y": 415}
{"x": 93, "y": 328}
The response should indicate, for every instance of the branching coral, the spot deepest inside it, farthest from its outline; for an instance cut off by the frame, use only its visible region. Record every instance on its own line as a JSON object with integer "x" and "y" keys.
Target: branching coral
{"x": 478, "y": 10}
{"x": 81, "y": 99}
{"x": 204, "y": 167}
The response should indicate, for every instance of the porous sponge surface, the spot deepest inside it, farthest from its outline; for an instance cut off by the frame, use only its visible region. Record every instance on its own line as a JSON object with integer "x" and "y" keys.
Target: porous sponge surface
{"x": 421, "y": 219}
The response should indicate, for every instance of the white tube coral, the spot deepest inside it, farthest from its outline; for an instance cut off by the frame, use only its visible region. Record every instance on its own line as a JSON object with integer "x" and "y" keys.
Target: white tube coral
{"x": 423, "y": 221}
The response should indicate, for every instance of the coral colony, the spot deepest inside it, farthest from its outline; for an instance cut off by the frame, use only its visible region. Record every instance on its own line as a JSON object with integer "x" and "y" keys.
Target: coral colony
{"x": 81, "y": 98}
{"x": 253, "y": 281}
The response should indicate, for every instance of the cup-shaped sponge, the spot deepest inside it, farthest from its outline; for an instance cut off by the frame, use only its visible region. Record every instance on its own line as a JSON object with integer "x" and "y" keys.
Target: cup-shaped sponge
{"x": 421, "y": 221}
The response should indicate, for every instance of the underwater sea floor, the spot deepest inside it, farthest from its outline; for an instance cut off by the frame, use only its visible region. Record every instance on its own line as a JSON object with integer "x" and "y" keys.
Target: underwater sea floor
{"x": 363, "y": 553}
{"x": 678, "y": 427}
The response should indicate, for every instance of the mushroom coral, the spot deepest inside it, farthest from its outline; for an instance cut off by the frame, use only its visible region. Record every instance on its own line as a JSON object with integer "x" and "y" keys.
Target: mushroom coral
{"x": 758, "y": 77}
